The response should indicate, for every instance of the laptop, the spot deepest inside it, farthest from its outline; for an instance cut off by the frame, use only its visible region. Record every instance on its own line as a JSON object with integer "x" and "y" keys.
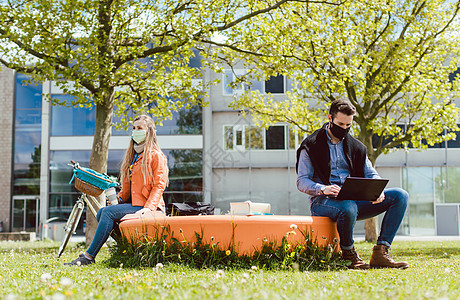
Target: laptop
{"x": 365, "y": 189}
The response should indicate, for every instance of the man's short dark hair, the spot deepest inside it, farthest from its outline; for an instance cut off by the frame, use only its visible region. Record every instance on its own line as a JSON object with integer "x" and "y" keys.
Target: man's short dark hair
{"x": 343, "y": 106}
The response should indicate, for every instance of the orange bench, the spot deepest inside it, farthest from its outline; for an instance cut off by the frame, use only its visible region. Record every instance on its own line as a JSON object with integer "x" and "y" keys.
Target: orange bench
{"x": 249, "y": 232}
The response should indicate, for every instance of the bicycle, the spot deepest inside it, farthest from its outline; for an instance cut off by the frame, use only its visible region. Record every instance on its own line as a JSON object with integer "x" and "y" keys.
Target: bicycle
{"x": 91, "y": 184}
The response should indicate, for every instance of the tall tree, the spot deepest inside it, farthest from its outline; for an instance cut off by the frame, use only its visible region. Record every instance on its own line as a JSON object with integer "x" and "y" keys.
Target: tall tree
{"x": 390, "y": 58}
{"x": 132, "y": 55}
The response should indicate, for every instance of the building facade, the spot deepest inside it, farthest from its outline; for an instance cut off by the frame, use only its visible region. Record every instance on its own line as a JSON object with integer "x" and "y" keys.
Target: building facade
{"x": 215, "y": 155}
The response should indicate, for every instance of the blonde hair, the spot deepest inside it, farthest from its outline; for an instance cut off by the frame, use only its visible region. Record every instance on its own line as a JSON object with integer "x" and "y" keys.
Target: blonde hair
{"x": 150, "y": 144}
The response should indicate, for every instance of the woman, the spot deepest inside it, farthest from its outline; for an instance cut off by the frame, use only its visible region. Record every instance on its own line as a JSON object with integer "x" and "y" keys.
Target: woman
{"x": 144, "y": 176}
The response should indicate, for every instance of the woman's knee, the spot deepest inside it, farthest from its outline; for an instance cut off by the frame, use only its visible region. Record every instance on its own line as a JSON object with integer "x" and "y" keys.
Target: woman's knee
{"x": 99, "y": 213}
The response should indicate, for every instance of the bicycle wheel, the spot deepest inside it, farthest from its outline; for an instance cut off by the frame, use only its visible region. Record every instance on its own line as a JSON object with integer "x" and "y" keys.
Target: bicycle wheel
{"x": 71, "y": 225}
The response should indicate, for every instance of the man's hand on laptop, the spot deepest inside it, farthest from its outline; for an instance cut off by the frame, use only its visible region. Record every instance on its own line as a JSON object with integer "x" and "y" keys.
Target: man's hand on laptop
{"x": 331, "y": 190}
{"x": 379, "y": 199}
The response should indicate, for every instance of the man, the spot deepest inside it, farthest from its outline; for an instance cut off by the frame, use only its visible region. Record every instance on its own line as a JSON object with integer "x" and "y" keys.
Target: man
{"x": 324, "y": 159}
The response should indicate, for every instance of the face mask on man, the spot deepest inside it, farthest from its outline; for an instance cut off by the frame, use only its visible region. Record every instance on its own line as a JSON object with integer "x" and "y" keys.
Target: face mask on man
{"x": 139, "y": 135}
{"x": 338, "y": 131}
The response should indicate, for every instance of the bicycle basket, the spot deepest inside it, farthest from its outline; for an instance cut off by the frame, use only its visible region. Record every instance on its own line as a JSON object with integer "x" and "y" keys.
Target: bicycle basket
{"x": 91, "y": 182}
{"x": 87, "y": 188}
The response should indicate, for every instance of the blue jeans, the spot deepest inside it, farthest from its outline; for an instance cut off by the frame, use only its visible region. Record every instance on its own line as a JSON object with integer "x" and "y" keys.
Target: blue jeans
{"x": 106, "y": 217}
{"x": 347, "y": 212}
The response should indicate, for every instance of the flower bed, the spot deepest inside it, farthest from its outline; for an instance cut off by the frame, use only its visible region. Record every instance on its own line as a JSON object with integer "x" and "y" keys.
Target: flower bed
{"x": 242, "y": 234}
{"x": 268, "y": 242}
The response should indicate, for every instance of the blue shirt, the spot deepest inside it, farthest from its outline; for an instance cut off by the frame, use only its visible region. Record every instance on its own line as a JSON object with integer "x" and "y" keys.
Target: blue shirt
{"x": 309, "y": 183}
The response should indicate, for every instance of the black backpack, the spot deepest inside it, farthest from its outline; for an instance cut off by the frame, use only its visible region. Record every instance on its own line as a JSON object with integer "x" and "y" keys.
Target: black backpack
{"x": 189, "y": 209}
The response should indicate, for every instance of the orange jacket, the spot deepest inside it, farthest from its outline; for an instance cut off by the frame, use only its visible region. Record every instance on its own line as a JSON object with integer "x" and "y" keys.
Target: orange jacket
{"x": 151, "y": 194}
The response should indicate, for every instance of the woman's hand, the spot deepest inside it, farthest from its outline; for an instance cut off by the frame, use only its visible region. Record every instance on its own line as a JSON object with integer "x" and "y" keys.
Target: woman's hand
{"x": 143, "y": 211}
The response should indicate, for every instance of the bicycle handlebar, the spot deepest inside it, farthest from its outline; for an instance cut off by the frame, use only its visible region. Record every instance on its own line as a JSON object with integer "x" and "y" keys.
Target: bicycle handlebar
{"x": 73, "y": 164}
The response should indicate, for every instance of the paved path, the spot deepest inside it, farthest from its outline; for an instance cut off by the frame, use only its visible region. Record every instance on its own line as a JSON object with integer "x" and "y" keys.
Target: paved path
{"x": 419, "y": 238}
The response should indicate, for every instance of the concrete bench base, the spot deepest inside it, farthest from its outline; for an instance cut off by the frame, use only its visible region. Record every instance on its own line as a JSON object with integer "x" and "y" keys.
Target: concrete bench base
{"x": 17, "y": 236}
{"x": 247, "y": 232}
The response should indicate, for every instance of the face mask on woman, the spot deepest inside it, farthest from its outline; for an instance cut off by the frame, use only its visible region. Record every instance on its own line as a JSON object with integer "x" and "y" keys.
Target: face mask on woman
{"x": 139, "y": 135}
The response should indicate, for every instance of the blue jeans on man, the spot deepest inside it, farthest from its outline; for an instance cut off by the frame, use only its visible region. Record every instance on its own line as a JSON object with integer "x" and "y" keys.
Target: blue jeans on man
{"x": 347, "y": 212}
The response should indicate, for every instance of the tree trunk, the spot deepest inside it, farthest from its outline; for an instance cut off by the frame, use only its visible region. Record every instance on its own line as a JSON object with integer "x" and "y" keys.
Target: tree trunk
{"x": 370, "y": 225}
{"x": 99, "y": 154}
{"x": 370, "y": 228}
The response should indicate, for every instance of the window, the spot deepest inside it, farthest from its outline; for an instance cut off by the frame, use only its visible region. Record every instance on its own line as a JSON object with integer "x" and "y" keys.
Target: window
{"x": 455, "y": 143}
{"x": 71, "y": 120}
{"x": 274, "y": 85}
{"x": 274, "y": 138}
{"x": 246, "y": 137}
{"x": 296, "y": 137}
{"x": 68, "y": 121}
{"x": 27, "y": 137}
{"x": 230, "y": 76}
{"x": 455, "y": 75}
{"x": 254, "y": 138}
{"x": 228, "y": 137}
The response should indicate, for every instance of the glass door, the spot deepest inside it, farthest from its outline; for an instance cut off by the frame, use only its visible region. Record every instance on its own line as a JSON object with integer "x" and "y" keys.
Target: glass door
{"x": 26, "y": 213}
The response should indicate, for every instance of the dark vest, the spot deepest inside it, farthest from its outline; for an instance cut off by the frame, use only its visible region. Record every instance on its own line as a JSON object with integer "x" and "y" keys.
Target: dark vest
{"x": 318, "y": 151}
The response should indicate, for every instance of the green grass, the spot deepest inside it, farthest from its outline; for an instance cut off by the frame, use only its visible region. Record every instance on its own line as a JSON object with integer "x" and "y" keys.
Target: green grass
{"x": 434, "y": 273}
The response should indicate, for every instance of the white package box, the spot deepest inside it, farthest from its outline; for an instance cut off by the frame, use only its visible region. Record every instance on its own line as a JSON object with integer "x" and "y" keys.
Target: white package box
{"x": 248, "y": 208}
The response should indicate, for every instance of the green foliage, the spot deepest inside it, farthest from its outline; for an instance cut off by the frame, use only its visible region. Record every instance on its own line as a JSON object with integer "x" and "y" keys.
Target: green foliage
{"x": 391, "y": 59}
{"x": 155, "y": 250}
{"x": 132, "y": 55}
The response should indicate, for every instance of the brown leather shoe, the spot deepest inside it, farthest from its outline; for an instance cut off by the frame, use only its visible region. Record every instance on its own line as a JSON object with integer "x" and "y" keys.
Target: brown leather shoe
{"x": 356, "y": 261}
{"x": 381, "y": 259}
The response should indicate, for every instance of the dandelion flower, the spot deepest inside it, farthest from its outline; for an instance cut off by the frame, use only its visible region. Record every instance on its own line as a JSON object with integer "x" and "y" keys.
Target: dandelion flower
{"x": 212, "y": 238}
{"x": 45, "y": 277}
{"x": 293, "y": 226}
{"x": 65, "y": 282}
{"x": 220, "y": 273}
{"x": 254, "y": 268}
{"x": 159, "y": 266}
{"x": 245, "y": 275}
{"x": 228, "y": 252}
{"x": 180, "y": 230}
{"x": 296, "y": 266}
{"x": 58, "y": 296}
